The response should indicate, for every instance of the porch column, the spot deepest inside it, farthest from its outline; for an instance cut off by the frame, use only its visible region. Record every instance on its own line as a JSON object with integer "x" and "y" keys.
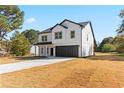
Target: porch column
{"x": 49, "y": 51}
{"x": 54, "y": 52}
{"x": 79, "y": 51}
{"x": 39, "y": 50}
{"x": 46, "y": 51}
{"x": 35, "y": 50}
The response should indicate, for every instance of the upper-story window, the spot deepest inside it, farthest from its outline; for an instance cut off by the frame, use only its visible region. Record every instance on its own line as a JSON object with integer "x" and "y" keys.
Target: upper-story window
{"x": 72, "y": 34}
{"x": 58, "y": 35}
{"x": 44, "y": 38}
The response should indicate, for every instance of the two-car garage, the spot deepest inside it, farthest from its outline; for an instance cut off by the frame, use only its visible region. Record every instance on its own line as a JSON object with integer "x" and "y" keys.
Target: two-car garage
{"x": 67, "y": 51}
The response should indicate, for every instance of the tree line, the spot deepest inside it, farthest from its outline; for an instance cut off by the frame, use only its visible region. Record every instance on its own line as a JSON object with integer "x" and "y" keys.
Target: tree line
{"x": 114, "y": 44}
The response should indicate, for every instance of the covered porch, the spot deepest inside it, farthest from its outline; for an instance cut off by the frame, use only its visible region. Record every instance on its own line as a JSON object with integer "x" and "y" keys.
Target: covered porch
{"x": 45, "y": 49}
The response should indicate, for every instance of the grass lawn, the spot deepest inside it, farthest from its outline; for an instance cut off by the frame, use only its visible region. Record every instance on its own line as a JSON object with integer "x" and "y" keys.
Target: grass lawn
{"x": 102, "y": 70}
{"x": 6, "y": 60}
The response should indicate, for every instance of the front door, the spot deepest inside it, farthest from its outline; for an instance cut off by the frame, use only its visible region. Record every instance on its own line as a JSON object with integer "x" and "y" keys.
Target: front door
{"x": 51, "y": 51}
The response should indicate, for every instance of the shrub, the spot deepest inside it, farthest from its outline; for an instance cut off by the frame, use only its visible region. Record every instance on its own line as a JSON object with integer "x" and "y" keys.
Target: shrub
{"x": 120, "y": 48}
{"x": 20, "y": 45}
{"x": 119, "y": 42}
{"x": 108, "y": 48}
{"x": 107, "y": 40}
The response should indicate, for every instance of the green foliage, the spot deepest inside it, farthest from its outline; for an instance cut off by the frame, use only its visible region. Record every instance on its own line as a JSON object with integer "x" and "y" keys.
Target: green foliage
{"x": 108, "y": 48}
{"x": 31, "y": 35}
{"x": 11, "y": 18}
{"x": 122, "y": 54}
{"x": 112, "y": 44}
{"x": 6, "y": 45}
{"x": 107, "y": 40}
{"x": 15, "y": 34}
{"x": 20, "y": 45}
{"x": 119, "y": 39}
{"x": 121, "y": 28}
{"x": 119, "y": 43}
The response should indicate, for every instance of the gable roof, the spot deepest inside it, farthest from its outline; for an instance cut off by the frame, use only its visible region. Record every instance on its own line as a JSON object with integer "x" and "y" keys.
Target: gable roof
{"x": 46, "y": 31}
{"x": 49, "y": 30}
{"x": 82, "y": 24}
{"x": 60, "y": 25}
{"x": 93, "y": 34}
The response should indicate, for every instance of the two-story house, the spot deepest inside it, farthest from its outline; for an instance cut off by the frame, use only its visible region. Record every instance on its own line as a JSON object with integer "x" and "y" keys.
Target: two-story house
{"x": 67, "y": 39}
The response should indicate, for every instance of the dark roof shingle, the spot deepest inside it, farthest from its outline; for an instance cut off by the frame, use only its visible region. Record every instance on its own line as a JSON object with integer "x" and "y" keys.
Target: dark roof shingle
{"x": 50, "y": 29}
{"x": 84, "y": 23}
{"x": 46, "y": 31}
{"x": 43, "y": 43}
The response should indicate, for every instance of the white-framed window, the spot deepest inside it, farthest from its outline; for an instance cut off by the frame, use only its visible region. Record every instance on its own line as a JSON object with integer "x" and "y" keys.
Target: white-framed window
{"x": 58, "y": 35}
{"x": 44, "y": 38}
{"x": 72, "y": 34}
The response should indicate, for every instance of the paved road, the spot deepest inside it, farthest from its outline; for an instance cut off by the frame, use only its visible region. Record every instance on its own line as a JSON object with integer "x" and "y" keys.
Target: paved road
{"x": 11, "y": 67}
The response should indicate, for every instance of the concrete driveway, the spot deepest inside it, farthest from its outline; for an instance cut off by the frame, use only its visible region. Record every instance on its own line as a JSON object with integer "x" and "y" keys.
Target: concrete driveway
{"x": 6, "y": 68}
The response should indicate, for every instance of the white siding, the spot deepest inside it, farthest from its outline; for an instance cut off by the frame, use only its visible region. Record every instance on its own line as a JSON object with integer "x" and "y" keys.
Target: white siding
{"x": 66, "y": 39}
{"x": 34, "y": 50}
{"x": 87, "y": 45}
{"x": 49, "y": 37}
{"x": 66, "y": 35}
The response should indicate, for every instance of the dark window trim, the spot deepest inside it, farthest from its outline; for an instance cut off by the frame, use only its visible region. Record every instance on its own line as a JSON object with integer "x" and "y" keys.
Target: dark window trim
{"x": 58, "y": 35}
{"x": 72, "y": 35}
{"x": 44, "y": 38}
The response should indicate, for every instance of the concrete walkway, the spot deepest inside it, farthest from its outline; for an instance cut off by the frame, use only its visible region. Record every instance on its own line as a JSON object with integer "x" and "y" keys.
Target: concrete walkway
{"x": 6, "y": 68}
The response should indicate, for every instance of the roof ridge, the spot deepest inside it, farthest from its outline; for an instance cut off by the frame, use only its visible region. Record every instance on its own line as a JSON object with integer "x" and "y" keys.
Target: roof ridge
{"x": 82, "y": 24}
{"x": 71, "y": 22}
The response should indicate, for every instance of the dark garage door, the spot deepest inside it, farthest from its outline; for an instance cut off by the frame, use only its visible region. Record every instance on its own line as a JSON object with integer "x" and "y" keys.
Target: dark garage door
{"x": 67, "y": 51}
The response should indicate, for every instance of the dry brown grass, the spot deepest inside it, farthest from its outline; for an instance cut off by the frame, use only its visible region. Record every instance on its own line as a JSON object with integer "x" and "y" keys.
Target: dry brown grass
{"x": 5, "y": 60}
{"x": 10, "y": 59}
{"x": 103, "y": 70}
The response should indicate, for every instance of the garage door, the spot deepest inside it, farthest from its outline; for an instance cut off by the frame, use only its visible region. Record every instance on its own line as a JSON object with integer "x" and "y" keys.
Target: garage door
{"x": 67, "y": 51}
